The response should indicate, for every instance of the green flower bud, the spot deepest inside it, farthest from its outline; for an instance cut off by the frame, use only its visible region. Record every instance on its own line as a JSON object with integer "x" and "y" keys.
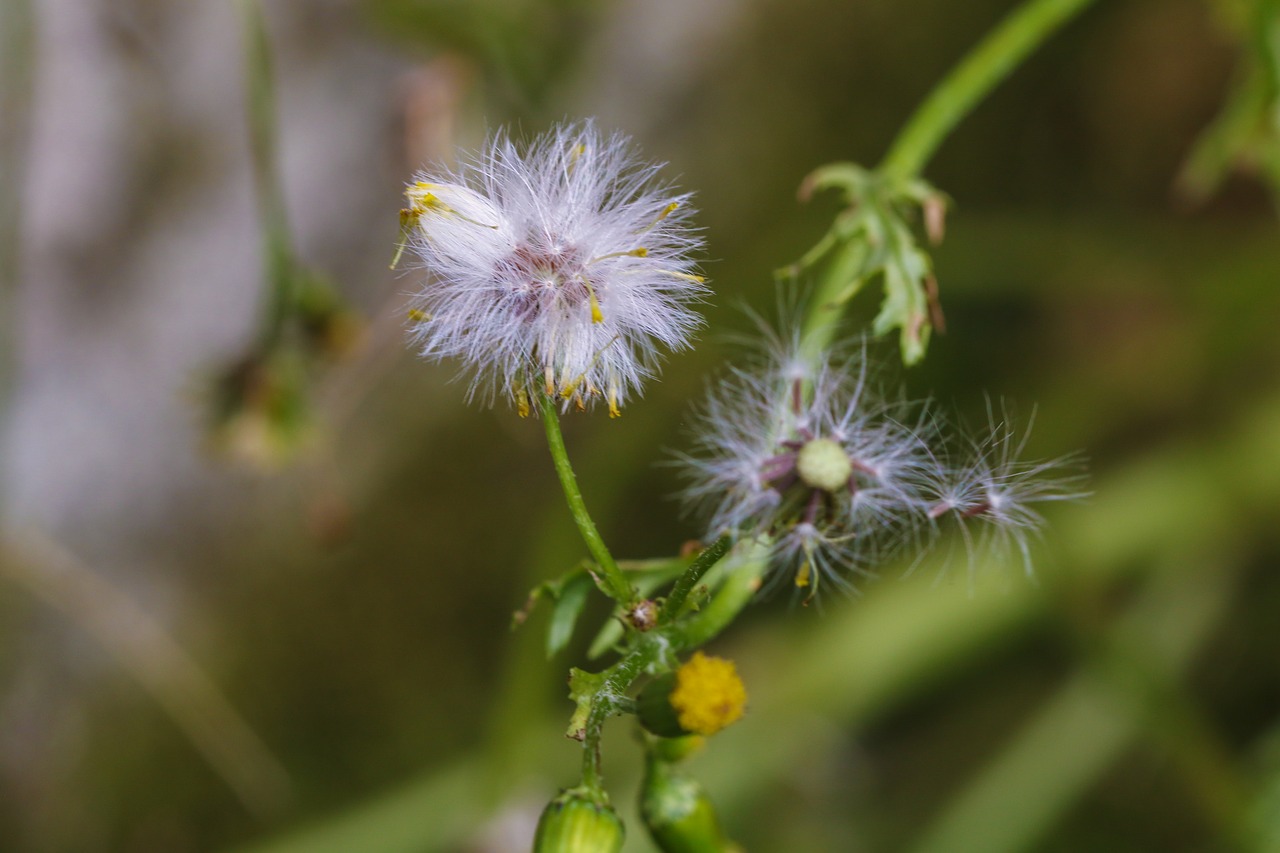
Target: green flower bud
{"x": 679, "y": 814}
{"x": 578, "y": 820}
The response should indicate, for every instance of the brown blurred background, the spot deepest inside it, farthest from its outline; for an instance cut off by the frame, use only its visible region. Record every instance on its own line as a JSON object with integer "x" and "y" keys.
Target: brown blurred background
{"x": 217, "y": 634}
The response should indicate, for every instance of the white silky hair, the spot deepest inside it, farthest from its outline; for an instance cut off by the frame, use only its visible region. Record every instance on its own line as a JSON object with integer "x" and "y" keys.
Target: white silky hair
{"x": 561, "y": 266}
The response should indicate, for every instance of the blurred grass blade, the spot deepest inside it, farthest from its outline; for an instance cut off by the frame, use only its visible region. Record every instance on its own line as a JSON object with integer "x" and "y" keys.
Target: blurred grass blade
{"x": 142, "y": 647}
{"x": 1081, "y": 731}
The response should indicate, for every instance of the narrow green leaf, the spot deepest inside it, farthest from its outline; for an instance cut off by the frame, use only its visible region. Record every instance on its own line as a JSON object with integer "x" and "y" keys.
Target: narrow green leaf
{"x": 571, "y": 597}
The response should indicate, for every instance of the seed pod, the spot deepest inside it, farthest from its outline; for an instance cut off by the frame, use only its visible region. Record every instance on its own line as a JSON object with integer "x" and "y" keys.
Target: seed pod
{"x": 579, "y": 821}
{"x": 678, "y": 813}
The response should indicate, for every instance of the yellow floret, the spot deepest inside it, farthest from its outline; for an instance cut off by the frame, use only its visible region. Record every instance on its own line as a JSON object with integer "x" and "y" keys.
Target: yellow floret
{"x": 708, "y": 694}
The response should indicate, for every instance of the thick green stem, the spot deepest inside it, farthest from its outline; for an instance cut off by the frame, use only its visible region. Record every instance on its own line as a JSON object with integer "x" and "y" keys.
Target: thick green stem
{"x": 686, "y": 582}
{"x": 977, "y": 74}
{"x": 616, "y": 584}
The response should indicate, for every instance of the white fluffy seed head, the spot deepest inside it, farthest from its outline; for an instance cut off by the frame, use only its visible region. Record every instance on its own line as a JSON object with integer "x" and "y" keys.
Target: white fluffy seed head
{"x": 804, "y": 455}
{"x": 560, "y": 267}
{"x": 837, "y": 480}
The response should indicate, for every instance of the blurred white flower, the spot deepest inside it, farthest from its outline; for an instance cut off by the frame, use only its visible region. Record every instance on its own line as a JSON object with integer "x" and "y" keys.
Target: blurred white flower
{"x": 560, "y": 267}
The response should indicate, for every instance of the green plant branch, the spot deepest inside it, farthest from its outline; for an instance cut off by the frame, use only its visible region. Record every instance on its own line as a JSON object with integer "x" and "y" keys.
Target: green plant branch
{"x": 980, "y": 71}
{"x": 616, "y": 586}
{"x": 686, "y": 582}
{"x": 988, "y": 64}
{"x": 740, "y": 586}
{"x": 617, "y": 680}
{"x": 826, "y": 308}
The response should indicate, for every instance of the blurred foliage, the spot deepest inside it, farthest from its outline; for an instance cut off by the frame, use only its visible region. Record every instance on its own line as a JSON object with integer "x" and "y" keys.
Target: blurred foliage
{"x": 1129, "y": 699}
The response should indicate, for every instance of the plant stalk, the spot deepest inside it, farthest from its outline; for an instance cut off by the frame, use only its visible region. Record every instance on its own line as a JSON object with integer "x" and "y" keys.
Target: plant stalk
{"x": 616, "y": 585}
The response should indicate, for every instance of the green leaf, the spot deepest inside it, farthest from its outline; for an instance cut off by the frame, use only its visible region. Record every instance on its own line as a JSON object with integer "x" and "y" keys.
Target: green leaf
{"x": 571, "y": 597}
{"x": 583, "y": 687}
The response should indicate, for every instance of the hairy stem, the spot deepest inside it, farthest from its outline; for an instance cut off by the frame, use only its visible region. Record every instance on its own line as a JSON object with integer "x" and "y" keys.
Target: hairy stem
{"x": 969, "y": 82}
{"x": 686, "y": 582}
{"x": 616, "y": 585}
{"x": 617, "y": 680}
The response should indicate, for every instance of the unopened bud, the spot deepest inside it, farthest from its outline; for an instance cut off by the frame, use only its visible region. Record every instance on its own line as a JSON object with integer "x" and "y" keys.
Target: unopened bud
{"x": 579, "y": 820}
{"x": 678, "y": 813}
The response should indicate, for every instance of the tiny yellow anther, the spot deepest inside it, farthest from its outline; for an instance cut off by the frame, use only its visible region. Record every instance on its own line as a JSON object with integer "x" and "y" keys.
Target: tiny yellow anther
{"x": 696, "y": 279}
{"x": 421, "y": 201}
{"x": 408, "y": 219}
{"x": 417, "y": 315}
{"x": 640, "y": 252}
{"x": 522, "y": 403}
{"x": 597, "y": 316}
{"x": 666, "y": 211}
{"x": 571, "y": 388}
{"x": 802, "y": 576}
{"x": 614, "y": 411}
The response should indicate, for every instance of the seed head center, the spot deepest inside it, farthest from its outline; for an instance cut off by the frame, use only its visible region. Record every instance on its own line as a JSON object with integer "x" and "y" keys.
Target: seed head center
{"x": 823, "y": 464}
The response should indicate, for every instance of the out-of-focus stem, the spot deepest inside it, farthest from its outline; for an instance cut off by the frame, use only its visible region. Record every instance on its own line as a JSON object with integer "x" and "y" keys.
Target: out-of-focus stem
{"x": 981, "y": 70}
{"x": 17, "y": 64}
{"x": 143, "y": 648}
{"x": 263, "y": 146}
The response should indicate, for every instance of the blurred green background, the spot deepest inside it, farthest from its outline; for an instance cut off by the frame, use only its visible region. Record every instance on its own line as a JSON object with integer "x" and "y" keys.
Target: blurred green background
{"x": 230, "y": 634}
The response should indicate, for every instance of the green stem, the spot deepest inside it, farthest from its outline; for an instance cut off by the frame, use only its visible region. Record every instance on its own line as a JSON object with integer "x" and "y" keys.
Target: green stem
{"x": 822, "y": 320}
{"x": 615, "y": 583}
{"x": 977, "y": 74}
{"x": 617, "y": 681}
{"x": 734, "y": 594}
{"x": 686, "y": 582}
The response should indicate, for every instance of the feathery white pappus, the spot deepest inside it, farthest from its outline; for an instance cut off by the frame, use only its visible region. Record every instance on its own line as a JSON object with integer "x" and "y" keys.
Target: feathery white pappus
{"x": 810, "y": 458}
{"x": 990, "y": 490}
{"x": 560, "y": 267}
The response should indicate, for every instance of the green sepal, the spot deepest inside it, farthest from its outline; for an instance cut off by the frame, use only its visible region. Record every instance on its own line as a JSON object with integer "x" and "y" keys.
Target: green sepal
{"x": 872, "y": 239}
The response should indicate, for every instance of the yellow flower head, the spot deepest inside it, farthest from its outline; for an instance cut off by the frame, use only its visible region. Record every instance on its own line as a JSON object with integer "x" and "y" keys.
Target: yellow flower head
{"x": 708, "y": 694}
